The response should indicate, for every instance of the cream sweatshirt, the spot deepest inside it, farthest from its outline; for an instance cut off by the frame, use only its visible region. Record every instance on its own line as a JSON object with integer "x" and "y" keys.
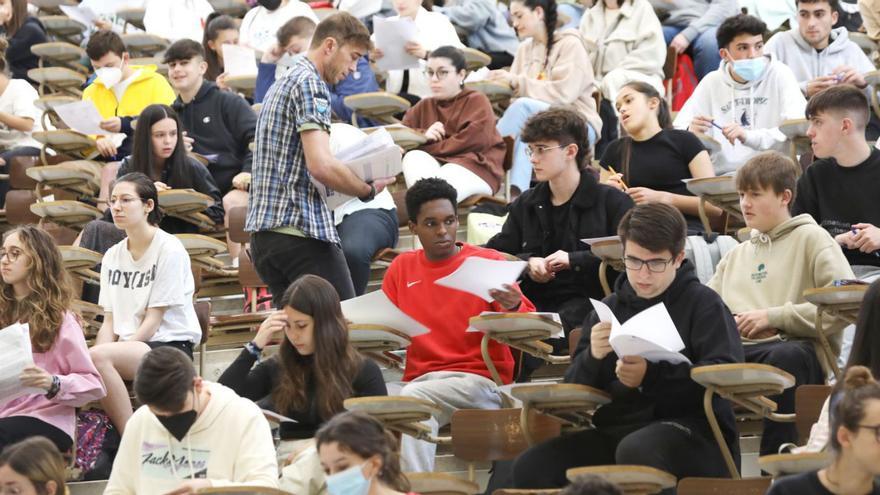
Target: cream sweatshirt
{"x": 230, "y": 444}
{"x": 566, "y": 79}
{"x": 772, "y": 270}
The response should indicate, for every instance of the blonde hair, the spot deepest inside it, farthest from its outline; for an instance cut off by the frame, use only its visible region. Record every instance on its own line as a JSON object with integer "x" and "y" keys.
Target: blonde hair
{"x": 38, "y": 460}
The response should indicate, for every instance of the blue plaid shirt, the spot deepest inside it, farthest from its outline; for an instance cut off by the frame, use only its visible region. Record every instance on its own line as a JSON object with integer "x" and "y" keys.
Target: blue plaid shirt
{"x": 281, "y": 193}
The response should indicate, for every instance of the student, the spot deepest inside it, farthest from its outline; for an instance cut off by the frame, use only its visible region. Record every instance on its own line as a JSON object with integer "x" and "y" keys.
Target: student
{"x": 33, "y": 467}
{"x": 550, "y": 68}
{"x": 219, "y": 30}
{"x": 22, "y": 31}
{"x": 120, "y": 91}
{"x": 190, "y": 434}
{"x": 146, "y": 293}
{"x": 838, "y": 189}
{"x": 762, "y": 282}
{"x": 625, "y": 43}
{"x": 743, "y": 103}
{"x": 486, "y": 28}
{"x": 177, "y": 19}
{"x": 292, "y": 230}
{"x": 262, "y": 22}
{"x": 690, "y": 26}
{"x": 35, "y": 289}
{"x": 463, "y": 147}
{"x": 855, "y": 443}
{"x": 546, "y": 224}
{"x": 294, "y": 37}
{"x": 445, "y": 365}
{"x": 870, "y": 11}
{"x": 434, "y": 31}
{"x": 654, "y": 159}
{"x": 655, "y": 417}
{"x": 360, "y": 456}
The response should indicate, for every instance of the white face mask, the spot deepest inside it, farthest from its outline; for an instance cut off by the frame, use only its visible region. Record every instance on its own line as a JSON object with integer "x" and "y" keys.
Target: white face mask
{"x": 109, "y": 76}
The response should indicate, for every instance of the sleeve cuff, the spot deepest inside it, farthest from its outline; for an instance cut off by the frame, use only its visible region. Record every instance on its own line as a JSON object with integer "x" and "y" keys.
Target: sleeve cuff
{"x": 690, "y": 33}
{"x": 776, "y": 317}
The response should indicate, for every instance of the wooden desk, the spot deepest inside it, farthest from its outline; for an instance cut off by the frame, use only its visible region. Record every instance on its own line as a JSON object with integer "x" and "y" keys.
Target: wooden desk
{"x": 475, "y": 59}
{"x": 47, "y": 105}
{"x": 378, "y": 341}
{"x": 65, "y": 141}
{"x": 58, "y": 80}
{"x": 89, "y": 313}
{"x": 73, "y": 214}
{"x": 60, "y": 53}
{"x": 838, "y": 302}
{"x": 406, "y": 138}
{"x": 80, "y": 262}
{"x": 796, "y": 132}
{"x": 745, "y": 384}
{"x": 134, "y": 17}
{"x": 633, "y": 480}
{"x": 719, "y": 191}
{"x": 379, "y": 106}
{"x": 244, "y": 84}
{"x": 570, "y": 403}
{"x": 499, "y": 94}
{"x": 611, "y": 253}
{"x": 187, "y": 205}
{"x": 784, "y": 464}
{"x": 873, "y": 80}
{"x": 400, "y": 414}
{"x": 81, "y": 177}
{"x": 441, "y": 484}
{"x": 63, "y": 27}
{"x": 202, "y": 252}
{"x": 51, "y": 6}
{"x": 144, "y": 44}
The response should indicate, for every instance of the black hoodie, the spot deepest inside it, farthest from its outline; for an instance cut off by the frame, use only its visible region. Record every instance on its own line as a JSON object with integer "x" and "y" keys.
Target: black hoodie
{"x": 667, "y": 393}
{"x": 223, "y": 124}
{"x": 18, "y": 55}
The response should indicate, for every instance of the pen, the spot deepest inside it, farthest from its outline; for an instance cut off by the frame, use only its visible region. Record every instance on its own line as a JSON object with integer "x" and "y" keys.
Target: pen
{"x": 620, "y": 178}
{"x": 717, "y": 126}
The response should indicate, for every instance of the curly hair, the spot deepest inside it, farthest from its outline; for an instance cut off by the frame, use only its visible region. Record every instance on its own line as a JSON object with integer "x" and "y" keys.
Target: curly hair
{"x": 50, "y": 293}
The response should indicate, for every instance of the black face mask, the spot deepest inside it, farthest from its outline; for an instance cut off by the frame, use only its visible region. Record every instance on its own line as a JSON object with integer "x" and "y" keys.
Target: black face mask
{"x": 270, "y": 4}
{"x": 179, "y": 424}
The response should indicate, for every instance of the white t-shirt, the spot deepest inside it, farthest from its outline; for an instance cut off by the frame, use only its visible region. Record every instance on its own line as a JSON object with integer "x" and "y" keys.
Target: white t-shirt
{"x": 18, "y": 100}
{"x": 177, "y": 19}
{"x": 260, "y": 26}
{"x": 161, "y": 278}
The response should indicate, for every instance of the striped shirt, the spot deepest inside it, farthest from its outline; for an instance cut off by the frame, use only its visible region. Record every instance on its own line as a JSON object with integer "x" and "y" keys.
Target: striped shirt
{"x": 282, "y": 195}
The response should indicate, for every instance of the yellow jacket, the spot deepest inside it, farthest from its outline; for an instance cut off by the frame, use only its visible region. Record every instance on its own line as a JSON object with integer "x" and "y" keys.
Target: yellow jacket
{"x": 148, "y": 88}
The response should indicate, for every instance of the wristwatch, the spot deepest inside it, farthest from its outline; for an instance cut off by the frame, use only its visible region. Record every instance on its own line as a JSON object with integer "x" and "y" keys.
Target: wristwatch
{"x": 369, "y": 197}
{"x": 254, "y": 350}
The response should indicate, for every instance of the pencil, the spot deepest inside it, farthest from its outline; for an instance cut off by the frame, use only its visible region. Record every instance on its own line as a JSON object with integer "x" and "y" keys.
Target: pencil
{"x": 622, "y": 183}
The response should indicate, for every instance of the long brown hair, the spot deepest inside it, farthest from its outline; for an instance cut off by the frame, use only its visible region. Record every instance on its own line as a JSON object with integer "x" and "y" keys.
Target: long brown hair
{"x": 38, "y": 460}
{"x": 19, "y": 15}
{"x": 848, "y": 411}
{"x": 664, "y": 118}
{"x": 50, "y": 291}
{"x": 334, "y": 363}
{"x": 365, "y": 436}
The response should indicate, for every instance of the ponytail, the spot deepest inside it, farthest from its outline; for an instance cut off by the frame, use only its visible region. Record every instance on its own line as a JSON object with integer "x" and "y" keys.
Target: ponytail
{"x": 857, "y": 388}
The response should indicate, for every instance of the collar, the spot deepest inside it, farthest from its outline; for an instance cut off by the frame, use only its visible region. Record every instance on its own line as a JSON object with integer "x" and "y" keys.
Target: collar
{"x": 584, "y": 196}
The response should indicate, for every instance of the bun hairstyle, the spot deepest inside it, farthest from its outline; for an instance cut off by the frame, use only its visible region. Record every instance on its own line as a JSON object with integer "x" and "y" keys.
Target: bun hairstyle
{"x": 858, "y": 388}
{"x": 4, "y": 44}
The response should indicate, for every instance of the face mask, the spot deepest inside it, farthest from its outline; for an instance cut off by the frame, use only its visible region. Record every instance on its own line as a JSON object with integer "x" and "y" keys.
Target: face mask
{"x": 109, "y": 76}
{"x": 750, "y": 69}
{"x": 348, "y": 482}
{"x": 179, "y": 424}
{"x": 270, "y": 4}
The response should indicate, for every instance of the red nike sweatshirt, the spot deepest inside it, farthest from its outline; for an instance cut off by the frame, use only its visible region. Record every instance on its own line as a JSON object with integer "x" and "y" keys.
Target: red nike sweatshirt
{"x": 409, "y": 284}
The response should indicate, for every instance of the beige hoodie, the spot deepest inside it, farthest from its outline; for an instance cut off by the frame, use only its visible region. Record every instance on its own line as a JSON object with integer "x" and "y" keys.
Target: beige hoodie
{"x": 566, "y": 80}
{"x": 230, "y": 444}
{"x": 772, "y": 270}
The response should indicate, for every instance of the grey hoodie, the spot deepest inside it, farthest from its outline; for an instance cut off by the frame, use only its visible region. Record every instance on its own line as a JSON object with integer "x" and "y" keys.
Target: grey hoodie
{"x": 695, "y": 16}
{"x": 807, "y": 63}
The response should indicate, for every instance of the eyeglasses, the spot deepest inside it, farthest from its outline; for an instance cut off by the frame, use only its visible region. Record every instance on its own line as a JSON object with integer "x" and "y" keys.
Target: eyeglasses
{"x": 10, "y": 254}
{"x": 655, "y": 265}
{"x": 123, "y": 201}
{"x": 540, "y": 150}
{"x": 876, "y": 429}
{"x": 441, "y": 74}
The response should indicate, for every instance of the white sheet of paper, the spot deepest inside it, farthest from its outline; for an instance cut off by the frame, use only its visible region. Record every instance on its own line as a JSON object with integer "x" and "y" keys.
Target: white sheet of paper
{"x": 650, "y": 334}
{"x": 83, "y": 15}
{"x": 391, "y": 36}
{"x": 15, "y": 354}
{"x": 374, "y": 308}
{"x": 480, "y": 74}
{"x": 239, "y": 60}
{"x": 554, "y": 316}
{"x": 278, "y": 417}
{"x": 478, "y": 276}
{"x": 594, "y": 240}
{"x": 81, "y": 116}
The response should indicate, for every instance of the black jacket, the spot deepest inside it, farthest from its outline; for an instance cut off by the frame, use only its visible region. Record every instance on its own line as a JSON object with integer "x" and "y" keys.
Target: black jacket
{"x": 18, "y": 55}
{"x": 222, "y": 124}
{"x": 596, "y": 210}
{"x": 667, "y": 393}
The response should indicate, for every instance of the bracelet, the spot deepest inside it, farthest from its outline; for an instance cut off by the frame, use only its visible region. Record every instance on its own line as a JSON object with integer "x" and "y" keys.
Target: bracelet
{"x": 369, "y": 197}
{"x": 254, "y": 349}
{"x": 54, "y": 388}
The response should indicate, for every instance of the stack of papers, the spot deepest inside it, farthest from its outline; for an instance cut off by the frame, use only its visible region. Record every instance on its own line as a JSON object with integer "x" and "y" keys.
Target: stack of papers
{"x": 375, "y": 308}
{"x": 478, "y": 276}
{"x": 650, "y": 334}
{"x": 15, "y": 347}
{"x": 391, "y": 37}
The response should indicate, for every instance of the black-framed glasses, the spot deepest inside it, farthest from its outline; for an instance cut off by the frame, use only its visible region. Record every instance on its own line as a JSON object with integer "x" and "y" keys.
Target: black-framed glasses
{"x": 876, "y": 429}
{"x": 540, "y": 150}
{"x": 440, "y": 73}
{"x": 655, "y": 265}
{"x": 11, "y": 254}
{"x": 124, "y": 201}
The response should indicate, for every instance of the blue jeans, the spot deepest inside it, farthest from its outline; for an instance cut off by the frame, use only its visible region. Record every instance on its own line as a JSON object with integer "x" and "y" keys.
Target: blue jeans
{"x": 703, "y": 49}
{"x": 574, "y": 13}
{"x": 363, "y": 234}
{"x": 511, "y": 124}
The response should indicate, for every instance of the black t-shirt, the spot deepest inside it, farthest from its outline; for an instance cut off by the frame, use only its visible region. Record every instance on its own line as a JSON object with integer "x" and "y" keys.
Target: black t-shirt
{"x": 806, "y": 484}
{"x": 659, "y": 163}
{"x": 560, "y": 222}
{"x": 838, "y": 197}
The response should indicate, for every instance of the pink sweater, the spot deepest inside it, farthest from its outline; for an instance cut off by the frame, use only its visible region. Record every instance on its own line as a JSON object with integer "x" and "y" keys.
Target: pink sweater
{"x": 80, "y": 382}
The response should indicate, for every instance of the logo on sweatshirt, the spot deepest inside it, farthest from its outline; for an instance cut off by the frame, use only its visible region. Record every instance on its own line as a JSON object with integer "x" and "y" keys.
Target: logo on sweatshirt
{"x": 159, "y": 460}
{"x": 760, "y": 275}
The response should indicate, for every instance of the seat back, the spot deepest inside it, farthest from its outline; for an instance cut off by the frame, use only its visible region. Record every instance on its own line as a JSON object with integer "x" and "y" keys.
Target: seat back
{"x": 496, "y": 434}
{"x": 18, "y": 207}
{"x": 237, "y": 216}
{"x": 203, "y": 313}
{"x": 400, "y": 203}
{"x": 573, "y": 338}
{"x": 723, "y": 486}
{"x": 808, "y": 402}
{"x": 18, "y": 165}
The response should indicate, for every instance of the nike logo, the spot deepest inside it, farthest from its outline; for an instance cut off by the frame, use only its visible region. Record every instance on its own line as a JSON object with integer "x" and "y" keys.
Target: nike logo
{"x": 410, "y": 284}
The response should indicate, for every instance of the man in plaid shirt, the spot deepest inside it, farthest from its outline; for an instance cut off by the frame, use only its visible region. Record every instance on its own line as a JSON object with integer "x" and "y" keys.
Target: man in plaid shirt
{"x": 292, "y": 230}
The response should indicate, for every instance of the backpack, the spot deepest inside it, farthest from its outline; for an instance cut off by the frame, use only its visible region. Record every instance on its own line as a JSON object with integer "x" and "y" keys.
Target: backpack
{"x": 91, "y": 430}
{"x": 684, "y": 82}
{"x": 705, "y": 251}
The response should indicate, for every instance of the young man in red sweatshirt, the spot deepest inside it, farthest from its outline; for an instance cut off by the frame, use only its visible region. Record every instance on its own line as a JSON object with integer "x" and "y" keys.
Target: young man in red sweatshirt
{"x": 444, "y": 366}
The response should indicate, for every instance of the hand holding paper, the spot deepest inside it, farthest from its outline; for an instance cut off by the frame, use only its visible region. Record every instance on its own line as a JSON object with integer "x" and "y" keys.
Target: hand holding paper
{"x": 239, "y": 60}
{"x": 375, "y": 308}
{"x": 650, "y": 334}
{"x": 392, "y": 36}
{"x": 15, "y": 345}
{"x": 478, "y": 276}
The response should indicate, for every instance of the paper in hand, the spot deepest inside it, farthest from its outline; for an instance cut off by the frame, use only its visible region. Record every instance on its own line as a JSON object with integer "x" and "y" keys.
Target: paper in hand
{"x": 650, "y": 334}
{"x": 478, "y": 276}
{"x": 16, "y": 355}
{"x": 80, "y": 14}
{"x": 391, "y": 37}
{"x": 239, "y": 60}
{"x": 374, "y": 308}
{"x": 81, "y": 116}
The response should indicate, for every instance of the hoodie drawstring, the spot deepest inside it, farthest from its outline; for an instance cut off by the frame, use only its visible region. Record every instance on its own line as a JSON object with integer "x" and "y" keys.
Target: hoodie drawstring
{"x": 757, "y": 238}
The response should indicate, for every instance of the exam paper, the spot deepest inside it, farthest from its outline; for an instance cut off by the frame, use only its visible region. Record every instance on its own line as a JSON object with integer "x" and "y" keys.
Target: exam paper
{"x": 239, "y": 60}
{"x": 478, "y": 75}
{"x": 478, "y": 276}
{"x": 594, "y": 240}
{"x": 81, "y": 116}
{"x": 374, "y": 308}
{"x": 80, "y": 14}
{"x": 650, "y": 334}
{"x": 391, "y": 36}
{"x": 15, "y": 354}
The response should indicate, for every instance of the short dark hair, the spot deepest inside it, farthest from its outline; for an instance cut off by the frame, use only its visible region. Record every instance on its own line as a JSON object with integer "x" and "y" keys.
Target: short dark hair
{"x": 183, "y": 49}
{"x": 768, "y": 170}
{"x": 164, "y": 378}
{"x": 345, "y": 28}
{"x": 849, "y": 403}
{"x": 453, "y": 54}
{"x": 589, "y": 484}
{"x": 103, "y": 42}
{"x": 298, "y": 26}
{"x": 146, "y": 190}
{"x": 426, "y": 190}
{"x": 737, "y": 25}
{"x": 840, "y": 99}
{"x": 562, "y": 125}
{"x": 656, "y": 227}
{"x": 834, "y": 4}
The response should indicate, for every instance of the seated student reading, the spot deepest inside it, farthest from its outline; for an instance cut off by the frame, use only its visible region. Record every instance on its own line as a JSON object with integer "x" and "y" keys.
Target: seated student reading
{"x": 546, "y": 224}
{"x": 463, "y": 147}
{"x": 444, "y": 366}
{"x": 743, "y": 102}
{"x": 762, "y": 281}
{"x": 33, "y": 467}
{"x": 190, "y": 434}
{"x": 656, "y": 415}
{"x": 653, "y": 160}
{"x": 220, "y": 29}
{"x": 35, "y": 289}
{"x": 855, "y": 443}
{"x": 146, "y": 293}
